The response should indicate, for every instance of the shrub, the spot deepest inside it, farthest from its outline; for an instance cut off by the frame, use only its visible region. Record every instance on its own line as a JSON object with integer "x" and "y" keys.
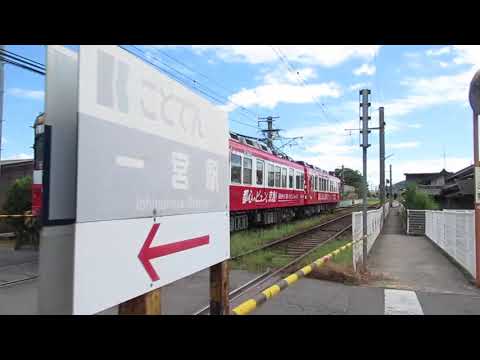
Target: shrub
{"x": 18, "y": 202}
{"x": 418, "y": 200}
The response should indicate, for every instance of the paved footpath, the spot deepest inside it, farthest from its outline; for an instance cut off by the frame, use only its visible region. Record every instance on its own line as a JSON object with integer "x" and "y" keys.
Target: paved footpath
{"x": 421, "y": 281}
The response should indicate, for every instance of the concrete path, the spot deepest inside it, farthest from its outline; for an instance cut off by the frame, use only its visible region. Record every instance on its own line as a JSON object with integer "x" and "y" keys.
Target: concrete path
{"x": 413, "y": 262}
{"x": 183, "y": 297}
{"x": 422, "y": 281}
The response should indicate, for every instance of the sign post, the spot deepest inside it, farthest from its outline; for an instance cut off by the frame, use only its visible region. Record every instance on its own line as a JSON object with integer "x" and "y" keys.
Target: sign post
{"x": 474, "y": 97}
{"x": 219, "y": 302}
{"x": 146, "y": 304}
{"x": 146, "y": 202}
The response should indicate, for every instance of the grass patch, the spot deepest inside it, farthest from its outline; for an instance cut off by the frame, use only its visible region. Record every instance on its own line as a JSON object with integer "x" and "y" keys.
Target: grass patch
{"x": 260, "y": 261}
{"x": 344, "y": 258}
{"x": 243, "y": 241}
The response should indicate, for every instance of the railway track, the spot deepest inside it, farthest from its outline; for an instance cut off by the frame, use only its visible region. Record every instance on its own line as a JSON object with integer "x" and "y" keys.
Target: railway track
{"x": 27, "y": 275}
{"x": 293, "y": 249}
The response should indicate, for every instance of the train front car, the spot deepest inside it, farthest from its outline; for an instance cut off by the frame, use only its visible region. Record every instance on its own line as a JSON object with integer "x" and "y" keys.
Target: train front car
{"x": 265, "y": 188}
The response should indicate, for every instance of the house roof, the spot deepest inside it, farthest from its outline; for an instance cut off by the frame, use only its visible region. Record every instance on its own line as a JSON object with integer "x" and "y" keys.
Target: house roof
{"x": 443, "y": 172}
{"x": 463, "y": 172}
{"x": 15, "y": 162}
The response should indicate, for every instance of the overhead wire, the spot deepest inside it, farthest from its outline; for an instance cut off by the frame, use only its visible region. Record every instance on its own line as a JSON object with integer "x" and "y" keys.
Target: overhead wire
{"x": 198, "y": 84}
{"x": 302, "y": 82}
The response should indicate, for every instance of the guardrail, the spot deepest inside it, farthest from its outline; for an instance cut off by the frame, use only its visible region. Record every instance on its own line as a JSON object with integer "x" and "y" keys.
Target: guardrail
{"x": 16, "y": 216}
{"x": 454, "y": 232}
{"x": 375, "y": 221}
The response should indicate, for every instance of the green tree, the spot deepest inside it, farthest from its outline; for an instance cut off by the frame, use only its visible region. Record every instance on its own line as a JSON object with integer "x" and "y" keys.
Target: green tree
{"x": 418, "y": 200}
{"x": 19, "y": 202}
{"x": 352, "y": 178}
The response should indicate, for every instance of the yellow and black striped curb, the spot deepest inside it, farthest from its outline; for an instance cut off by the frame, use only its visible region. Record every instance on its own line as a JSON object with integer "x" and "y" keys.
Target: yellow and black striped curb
{"x": 251, "y": 304}
{"x": 15, "y": 216}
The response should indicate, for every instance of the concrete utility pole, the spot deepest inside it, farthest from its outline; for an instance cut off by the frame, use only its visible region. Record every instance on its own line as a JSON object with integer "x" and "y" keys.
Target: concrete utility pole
{"x": 365, "y": 131}
{"x": 381, "y": 125}
{"x": 270, "y": 131}
{"x": 474, "y": 97}
{"x": 2, "y": 91}
{"x": 391, "y": 186}
{"x": 343, "y": 181}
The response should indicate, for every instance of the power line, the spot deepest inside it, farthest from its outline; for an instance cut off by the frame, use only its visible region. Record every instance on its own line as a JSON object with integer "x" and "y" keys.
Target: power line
{"x": 301, "y": 82}
{"x": 229, "y": 91}
{"x": 21, "y": 66}
{"x": 206, "y": 89}
{"x": 20, "y": 57}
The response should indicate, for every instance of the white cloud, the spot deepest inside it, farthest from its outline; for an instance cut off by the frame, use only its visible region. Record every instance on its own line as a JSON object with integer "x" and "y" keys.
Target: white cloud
{"x": 4, "y": 140}
{"x": 19, "y": 156}
{"x": 405, "y": 145}
{"x": 436, "y": 52}
{"x": 26, "y": 93}
{"x": 467, "y": 54}
{"x": 359, "y": 86}
{"x": 365, "y": 69}
{"x": 427, "y": 92}
{"x": 282, "y": 75}
{"x": 414, "y": 126}
{"x": 443, "y": 64}
{"x": 324, "y": 55}
{"x": 269, "y": 95}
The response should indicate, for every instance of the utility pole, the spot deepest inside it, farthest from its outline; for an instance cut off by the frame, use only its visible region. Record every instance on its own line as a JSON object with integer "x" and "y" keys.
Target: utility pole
{"x": 270, "y": 131}
{"x": 2, "y": 91}
{"x": 343, "y": 182}
{"x": 365, "y": 131}
{"x": 391, "y": 186}
{"x": 474, "y": 97}
{"x": 381, "y": 125}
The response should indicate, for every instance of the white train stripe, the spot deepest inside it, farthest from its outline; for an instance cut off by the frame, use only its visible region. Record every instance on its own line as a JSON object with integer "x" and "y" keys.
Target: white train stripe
{"x": 402, "y": 302}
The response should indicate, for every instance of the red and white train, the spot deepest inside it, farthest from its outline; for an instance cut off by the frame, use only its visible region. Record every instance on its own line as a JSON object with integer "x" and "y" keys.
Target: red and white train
{"x": 265, "y": 188}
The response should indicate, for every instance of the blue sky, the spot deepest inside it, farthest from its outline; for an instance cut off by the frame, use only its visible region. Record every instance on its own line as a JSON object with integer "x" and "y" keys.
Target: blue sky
{"x": 424, "y": 90}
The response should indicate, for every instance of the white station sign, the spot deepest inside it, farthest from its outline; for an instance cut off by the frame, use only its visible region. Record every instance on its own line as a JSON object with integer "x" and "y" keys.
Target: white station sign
{"x": 151, "y": 184}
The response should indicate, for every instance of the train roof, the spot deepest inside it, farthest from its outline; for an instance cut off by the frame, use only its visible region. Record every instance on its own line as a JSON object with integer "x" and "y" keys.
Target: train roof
{"x": 258, "y": 144}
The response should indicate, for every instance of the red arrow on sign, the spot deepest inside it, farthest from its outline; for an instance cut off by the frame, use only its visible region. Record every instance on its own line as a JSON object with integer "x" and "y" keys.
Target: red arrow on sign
{"x": 148, "y": 253}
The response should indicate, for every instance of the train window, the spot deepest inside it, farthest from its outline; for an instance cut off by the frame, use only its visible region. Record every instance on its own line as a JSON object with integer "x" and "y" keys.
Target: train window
{"x": 236, "y": 168}
{"x": 247, "y": 171}
{"x": 284, "y": 177}
{"x": 290, "y": 178}
{"x": 271, "y": 176}
{"x": 315, "y": 185}
{"x": 297, "y": 181}
{"x": 260, "y": 169}
{"x": 302, "y": 181}
{"x": 277, "y": 176}
{"x": 249, "y": 142}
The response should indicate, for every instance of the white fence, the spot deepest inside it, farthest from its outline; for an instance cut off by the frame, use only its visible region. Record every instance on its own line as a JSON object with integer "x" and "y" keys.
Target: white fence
{"x": 375, "y": 221}
{"x": 454, "y": 232}
{"x": 350, "y": 202}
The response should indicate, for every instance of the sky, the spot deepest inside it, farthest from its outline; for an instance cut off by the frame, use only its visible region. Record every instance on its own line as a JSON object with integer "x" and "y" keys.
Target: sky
{"x": 314, "y": 90}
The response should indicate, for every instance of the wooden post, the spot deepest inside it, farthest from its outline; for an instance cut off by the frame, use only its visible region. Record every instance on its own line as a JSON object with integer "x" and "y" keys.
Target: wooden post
{"x": 146, "y": 304}
{"x": 219, "y": 301}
